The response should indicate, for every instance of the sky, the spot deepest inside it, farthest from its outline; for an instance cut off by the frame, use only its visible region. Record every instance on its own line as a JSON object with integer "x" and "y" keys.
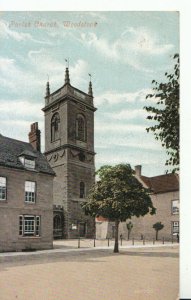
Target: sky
{"x": 124, "y": 52}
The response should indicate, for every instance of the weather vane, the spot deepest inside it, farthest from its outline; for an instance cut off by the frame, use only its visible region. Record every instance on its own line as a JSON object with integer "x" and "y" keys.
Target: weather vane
{"x": 90, "y": 76}
{"x": 67, "y": 61}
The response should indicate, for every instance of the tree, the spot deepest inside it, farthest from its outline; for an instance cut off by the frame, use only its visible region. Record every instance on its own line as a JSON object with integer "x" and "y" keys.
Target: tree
{"x": 118, "y": 196}
{"x": 166, "y": 114}
{"x": 129, "y": 228}
{"x": 158, "y": 226}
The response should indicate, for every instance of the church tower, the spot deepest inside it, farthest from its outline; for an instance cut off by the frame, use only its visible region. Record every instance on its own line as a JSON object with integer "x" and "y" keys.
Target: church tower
{"x": 69, "y": 149}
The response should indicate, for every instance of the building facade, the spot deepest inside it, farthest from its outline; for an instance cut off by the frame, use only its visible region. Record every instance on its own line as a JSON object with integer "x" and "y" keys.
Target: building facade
{"x": 165, "y": 198}
{"x": 26, "y": 198}
{"x": 69, "y": 149}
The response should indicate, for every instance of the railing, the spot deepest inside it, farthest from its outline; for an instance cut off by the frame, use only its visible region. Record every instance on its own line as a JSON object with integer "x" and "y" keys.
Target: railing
{"x": 109, "y": 242}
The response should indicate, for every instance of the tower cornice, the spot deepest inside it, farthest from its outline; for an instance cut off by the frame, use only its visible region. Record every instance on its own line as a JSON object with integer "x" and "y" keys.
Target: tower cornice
{"x": 68, "y": 97}
{"x": 69, "y": 146}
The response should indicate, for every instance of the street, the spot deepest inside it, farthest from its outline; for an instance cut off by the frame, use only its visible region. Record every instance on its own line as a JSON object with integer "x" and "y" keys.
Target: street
{"x": 134, "y": 273}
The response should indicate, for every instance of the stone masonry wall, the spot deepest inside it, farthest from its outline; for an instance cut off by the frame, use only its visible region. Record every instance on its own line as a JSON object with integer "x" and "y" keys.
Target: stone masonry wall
{"x": 79, "y": 172}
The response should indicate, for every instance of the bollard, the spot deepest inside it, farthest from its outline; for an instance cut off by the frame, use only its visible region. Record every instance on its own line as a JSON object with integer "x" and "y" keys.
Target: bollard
{"x": 143, "y": 241}
{"x": 163, "y": 240}
{"x": 79, "y": 242}
{"x": 94, "y": 241}
{"x": 133, "y": 242}
{"x": 108, "y": 242}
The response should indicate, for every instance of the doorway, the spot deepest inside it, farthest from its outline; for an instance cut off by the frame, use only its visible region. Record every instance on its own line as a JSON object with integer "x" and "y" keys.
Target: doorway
{"x": 82, "y": 229}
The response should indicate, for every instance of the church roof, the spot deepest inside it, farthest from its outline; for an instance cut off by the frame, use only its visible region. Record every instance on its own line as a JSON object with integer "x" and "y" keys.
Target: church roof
{"x": 163, "y": 183}
{"x": 11, "y": 150}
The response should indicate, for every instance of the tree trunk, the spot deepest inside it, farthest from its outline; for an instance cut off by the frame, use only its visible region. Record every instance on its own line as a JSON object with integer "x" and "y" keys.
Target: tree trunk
{"x": 156, "y": 235}
{"x": 129, "y": 231}
{"x": 116, "y": 247}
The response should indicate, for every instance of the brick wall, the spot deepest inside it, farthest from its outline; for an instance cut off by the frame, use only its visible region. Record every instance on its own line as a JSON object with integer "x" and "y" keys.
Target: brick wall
{"x": 144, "y": 225}
{"x": 15, "y": 205}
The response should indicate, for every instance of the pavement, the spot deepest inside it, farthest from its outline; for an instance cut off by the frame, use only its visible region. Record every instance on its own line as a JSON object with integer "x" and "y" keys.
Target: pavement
{"x": 138, "y": 272}
{"x": 66, "y": 246}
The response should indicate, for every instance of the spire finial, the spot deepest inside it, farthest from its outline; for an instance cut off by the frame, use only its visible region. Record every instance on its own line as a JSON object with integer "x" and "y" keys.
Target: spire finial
{"x": 67, "y": 77}
{"x": 67, "y": 62}
{"x": 47, "y": 87}
{"x": 90, "y": 92}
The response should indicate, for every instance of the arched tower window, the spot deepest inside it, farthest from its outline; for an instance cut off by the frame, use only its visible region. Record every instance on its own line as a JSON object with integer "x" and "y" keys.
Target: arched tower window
{"x": 82, "y": 189}
{"x": 81, "y": 128}
{"x": 55, "y": 127}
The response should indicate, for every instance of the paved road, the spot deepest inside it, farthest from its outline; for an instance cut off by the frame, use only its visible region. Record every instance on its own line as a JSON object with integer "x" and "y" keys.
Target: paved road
{"x": 133, "y": 274}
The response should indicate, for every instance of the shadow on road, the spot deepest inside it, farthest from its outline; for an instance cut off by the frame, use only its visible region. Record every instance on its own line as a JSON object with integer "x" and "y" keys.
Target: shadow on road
{"x": 153, "y": 254}
{"x": 79, "y": 256}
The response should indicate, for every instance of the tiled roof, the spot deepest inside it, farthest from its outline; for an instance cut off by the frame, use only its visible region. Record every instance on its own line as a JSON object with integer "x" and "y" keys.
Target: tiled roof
{"x": 162, "y": 183}
{"x": 11, "y": 149}
{"x": 101, "y": 219}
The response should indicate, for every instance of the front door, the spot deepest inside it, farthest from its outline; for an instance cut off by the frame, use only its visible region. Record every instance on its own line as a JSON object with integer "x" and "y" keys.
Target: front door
{"x": 57, "y": 226}
{"x": 82, "y": 229}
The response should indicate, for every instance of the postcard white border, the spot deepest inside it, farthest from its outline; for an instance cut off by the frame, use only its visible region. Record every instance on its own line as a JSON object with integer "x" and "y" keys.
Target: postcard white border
{"x": 184, "y": 6}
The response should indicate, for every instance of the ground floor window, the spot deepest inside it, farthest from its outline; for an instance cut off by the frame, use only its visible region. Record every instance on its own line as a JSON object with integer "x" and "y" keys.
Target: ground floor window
{"x": 175, "y": 227}
{"x": 29, "y": 225}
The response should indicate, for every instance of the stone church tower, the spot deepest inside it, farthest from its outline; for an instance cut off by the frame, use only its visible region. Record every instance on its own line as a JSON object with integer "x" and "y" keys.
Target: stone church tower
{"x": 69, "y": 149}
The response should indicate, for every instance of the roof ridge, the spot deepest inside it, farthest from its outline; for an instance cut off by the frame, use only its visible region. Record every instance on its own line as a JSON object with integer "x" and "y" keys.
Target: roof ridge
{"x": 6, "y": 137}
{"x": 163, "y": 175}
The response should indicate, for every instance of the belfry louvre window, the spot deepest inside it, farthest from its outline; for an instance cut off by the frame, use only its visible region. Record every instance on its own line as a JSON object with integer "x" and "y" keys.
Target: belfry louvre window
{"x": 3, "y": 188}
{"x": 29, "y": 225}
{"x": 80, "y": 128}
{"x": 55, "y": 127}
{"x": 82, "y": 189}
{"x": 30, "y": 191}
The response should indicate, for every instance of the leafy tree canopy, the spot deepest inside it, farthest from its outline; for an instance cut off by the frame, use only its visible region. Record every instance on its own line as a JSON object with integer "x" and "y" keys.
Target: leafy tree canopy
{"x": 118, "y": 195}
{"x": 158, "y": 226}
{"x": 129, "y": 225}
{"x": 166, "y": 114}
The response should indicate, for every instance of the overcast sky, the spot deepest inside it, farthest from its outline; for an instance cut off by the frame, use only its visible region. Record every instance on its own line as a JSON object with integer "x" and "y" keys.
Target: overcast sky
{"x": 124, "y": 52}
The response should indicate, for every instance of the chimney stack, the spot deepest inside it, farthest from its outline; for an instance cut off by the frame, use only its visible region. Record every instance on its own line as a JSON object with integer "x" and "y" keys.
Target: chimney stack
{"x": 138, "y": 170}
{"x": 34, "y": 136}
